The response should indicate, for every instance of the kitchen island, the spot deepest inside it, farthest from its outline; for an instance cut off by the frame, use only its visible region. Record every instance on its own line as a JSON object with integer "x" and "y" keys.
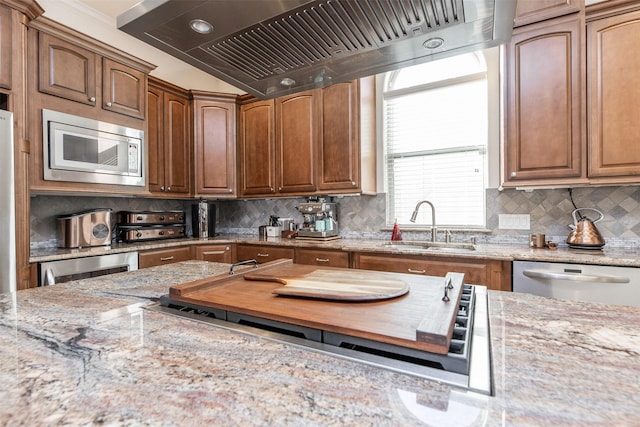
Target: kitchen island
{"x": 89, "y": 352}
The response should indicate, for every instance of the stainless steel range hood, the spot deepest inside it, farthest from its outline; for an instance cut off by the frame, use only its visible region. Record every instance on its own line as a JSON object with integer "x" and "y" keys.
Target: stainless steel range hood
{"x": 275, "y": 47}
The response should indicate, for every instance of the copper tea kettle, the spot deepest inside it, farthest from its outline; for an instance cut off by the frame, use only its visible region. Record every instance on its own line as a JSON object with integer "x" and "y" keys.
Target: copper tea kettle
{"x": 585, "y": 234}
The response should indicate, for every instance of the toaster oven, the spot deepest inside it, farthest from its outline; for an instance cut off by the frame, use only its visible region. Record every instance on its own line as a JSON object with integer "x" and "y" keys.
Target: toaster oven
{"x": 87, "y": 228}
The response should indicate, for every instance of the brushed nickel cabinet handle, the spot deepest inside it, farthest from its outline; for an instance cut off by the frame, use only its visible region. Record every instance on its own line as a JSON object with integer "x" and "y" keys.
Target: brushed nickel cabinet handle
{"x": 322, "y": 260}
{"x": 92, "y": 99}
{"x": 213, "y": 252}
{"x": 109, "y": 104}
{"x": 166, "y": 258}
{"x": 262, "y": 255}
{"x": 410, "y": 270}
{"x": 513, "y": 174}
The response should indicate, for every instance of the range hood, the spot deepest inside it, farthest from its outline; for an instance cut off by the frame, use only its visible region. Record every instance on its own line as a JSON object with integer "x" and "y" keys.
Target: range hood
{"x": 271, "y": 48}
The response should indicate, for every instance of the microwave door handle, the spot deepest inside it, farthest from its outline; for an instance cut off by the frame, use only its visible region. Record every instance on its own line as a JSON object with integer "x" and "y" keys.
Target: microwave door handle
{"x": 541, "y": 274}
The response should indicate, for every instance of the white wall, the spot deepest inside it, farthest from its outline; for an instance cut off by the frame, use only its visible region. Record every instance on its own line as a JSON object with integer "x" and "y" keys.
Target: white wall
{"x": 80, "y": 17}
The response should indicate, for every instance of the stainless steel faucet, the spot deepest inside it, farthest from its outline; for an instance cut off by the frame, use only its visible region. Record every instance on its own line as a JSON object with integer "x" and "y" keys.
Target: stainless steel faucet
{"x": 434, "y": 230}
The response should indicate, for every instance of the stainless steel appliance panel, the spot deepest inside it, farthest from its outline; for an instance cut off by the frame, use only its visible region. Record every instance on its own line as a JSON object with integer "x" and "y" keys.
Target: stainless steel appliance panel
{"x": 150, "y": 217}
{"x": 62, "y": 271}
{"x": 7, "y": 207}
{"x": 79, "y": 149}
{"x": 580, "y": 282}
{"x": 83, "y": 229}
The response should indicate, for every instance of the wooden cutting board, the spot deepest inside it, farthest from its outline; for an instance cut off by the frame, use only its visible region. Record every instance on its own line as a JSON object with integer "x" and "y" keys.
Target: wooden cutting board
{"x": 419, "y": 319}
{"x": 349, "y": 285}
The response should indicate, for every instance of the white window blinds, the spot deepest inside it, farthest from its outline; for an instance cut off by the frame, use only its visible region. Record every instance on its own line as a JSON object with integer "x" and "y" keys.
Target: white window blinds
{"x": 436, "y": 144}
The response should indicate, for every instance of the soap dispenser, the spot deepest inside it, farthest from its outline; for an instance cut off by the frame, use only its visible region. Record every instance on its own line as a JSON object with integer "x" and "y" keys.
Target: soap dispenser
{"x": 396, "y": 234}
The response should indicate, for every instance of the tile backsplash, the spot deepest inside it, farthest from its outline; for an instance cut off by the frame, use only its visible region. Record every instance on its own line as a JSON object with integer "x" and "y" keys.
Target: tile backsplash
{"x": 364, "y": 216}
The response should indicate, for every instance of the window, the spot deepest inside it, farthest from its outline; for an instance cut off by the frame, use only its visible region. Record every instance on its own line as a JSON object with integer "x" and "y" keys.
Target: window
{"x": 435, "y": 131}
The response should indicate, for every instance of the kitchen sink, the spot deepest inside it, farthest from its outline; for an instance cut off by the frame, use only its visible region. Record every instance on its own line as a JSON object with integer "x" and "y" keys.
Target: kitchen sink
{"x": 420, "y": 246}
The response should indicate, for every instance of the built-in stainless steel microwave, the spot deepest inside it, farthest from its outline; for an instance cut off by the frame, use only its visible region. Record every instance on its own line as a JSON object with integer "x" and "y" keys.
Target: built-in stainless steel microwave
{"x": 78, "y": 149}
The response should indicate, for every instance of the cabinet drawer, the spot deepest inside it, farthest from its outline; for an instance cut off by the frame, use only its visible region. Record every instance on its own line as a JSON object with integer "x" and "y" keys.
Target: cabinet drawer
{"x": 475, "y": 272}
{"x": 164, "y": 256}
{"x": 262, "y": 253}
{"x": 213, "y": 253}
{"x": 322, "y": 258}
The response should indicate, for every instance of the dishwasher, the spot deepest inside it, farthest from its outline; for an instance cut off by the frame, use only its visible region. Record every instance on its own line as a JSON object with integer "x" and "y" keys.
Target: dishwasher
{"x": 581, "y": 282}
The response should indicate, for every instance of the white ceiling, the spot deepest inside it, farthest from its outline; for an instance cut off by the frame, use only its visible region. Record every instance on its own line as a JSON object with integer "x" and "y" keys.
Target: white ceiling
{"x": 110, "y": 8}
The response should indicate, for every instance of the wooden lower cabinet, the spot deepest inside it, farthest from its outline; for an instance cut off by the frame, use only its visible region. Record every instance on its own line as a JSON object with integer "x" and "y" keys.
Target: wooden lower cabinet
{"x": 321, "y": 257}
{"x": 213, "y": 253}
{"x": 493, "y": 274}
{"x": 262, "y": 253}
{"x": 163, "y": 256}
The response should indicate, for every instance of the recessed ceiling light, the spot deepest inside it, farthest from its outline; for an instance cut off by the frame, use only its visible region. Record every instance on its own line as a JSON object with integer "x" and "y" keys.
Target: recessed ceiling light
{"x": 287, "y": 82}
{"x": 433, "y": 43}
{"x": 201, "y": 26}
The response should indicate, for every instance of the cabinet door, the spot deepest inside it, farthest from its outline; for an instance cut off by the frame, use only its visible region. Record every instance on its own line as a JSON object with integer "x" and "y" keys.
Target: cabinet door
{"x": 66, "y": 70}
{"x": 213, "y": 253}
{"x": 5, "y": 47}
{"x": 123, "y": 89}
{"x": 322, "y": 257}
{"x": 262, "y": 254}
{"x": 297, "y": 129}
{"x": 176, "y": 143}
{"x": 214, "y": 147}
{"x": 257, "y": 149}
{"x": 614, "y": 96}
{"x": 339, "y": 146}
{"x": 545, "y": 135}
{"x": 530, "y": 11}
{"x": 163, "y": 256}
{"x": 155, "y": 139}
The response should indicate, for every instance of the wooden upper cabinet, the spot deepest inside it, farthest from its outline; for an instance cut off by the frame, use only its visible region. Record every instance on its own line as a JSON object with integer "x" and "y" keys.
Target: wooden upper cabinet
{"x": 297, "y": 134}
{"x": 123, "y": 89}
{"x": 257, "y": 148}
{"x": 76, "y": 73}
{"x": 6, "y": 55}
{"x": 168, "y": 137}
{"x": 613, "y": 61}
{"x": 67, "y": 70}
{"x": 339, "y": 148}
{"x": 530, "y": 11}
{"x": 545, "y": 135}
{"x": 155, "y": 139}
{"x": 177, "y": 143}
{"x": 214, "y": 155}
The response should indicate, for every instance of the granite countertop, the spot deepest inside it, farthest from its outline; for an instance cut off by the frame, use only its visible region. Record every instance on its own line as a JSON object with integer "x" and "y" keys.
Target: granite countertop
{"x": 507, "y": 252}
{"x": 88, "y": 352}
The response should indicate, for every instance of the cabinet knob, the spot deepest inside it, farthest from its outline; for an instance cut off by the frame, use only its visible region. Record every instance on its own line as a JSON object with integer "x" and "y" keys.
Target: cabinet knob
{"x": 353, "y": 184}
{"x": 162, "y": 188}
{"x": 230, "y": 190}
{"x": 109, "y": 104}
{"x": 513, "y": 174}
{"x": 279, "y": 188}
{"x": 92, "y": 99}
{"x": 272, "y": 190}
{"x": 168, "y": 188}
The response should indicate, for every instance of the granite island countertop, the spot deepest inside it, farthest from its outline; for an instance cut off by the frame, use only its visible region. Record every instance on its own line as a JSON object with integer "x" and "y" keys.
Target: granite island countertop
{"x": 616, "y": 256}
{"x": 88, "y": 352}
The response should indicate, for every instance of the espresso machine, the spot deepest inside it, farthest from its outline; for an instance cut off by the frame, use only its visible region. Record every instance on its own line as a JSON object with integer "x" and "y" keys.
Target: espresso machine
{"x": 320, "y": 219}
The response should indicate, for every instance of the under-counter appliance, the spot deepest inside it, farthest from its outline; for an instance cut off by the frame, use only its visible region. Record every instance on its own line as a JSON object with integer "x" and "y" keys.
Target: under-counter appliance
{"x": 320, "y": 219}
{"x": 91, "y": 227}
{"x": 581, "y": 282}
{"x": 80, "y": 149}
{"x": 136, "y": 226}
{"x": 7, "y": 207}
{"x": 53, "y": 272}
